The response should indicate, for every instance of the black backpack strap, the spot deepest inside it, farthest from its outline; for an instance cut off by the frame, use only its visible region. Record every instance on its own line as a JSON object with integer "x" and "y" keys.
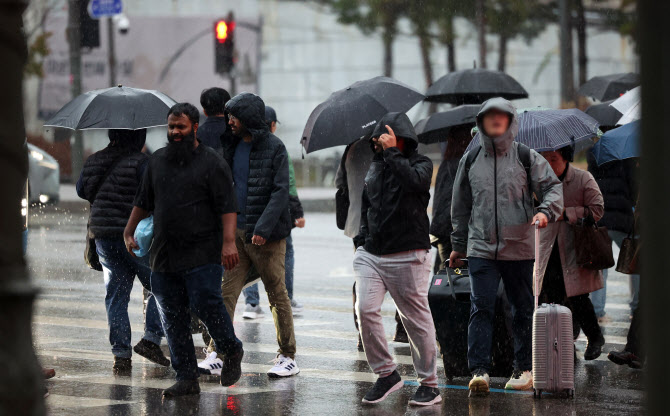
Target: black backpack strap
{"x": 470, "y": 159}
{"x": 524, "y": 157}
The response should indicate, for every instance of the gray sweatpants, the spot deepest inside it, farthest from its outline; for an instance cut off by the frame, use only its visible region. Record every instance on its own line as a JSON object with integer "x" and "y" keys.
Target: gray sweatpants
{"x": 405, "y": 276}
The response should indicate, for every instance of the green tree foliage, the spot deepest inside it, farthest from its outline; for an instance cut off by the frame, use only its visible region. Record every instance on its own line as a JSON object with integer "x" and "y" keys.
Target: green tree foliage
{"x": 37, "y": 51}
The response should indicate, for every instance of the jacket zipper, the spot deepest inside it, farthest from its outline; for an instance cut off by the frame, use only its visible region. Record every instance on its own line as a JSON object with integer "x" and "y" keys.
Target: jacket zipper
{"x": 495, "y": 196}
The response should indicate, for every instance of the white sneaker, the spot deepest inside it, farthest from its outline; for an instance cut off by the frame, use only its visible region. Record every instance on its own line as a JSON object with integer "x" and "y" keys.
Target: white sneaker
{"x": 252, "y": 312}
{"x": 479, "y": 383}
{"x": 521, "y": 380}
{"x": 296, "y": 307}
{"x": 284, "y": 367}
{"x": 211, "y": 365}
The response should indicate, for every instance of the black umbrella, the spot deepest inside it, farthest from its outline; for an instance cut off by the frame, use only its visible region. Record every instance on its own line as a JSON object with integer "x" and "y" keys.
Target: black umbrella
{"x": 352, "y": 113}
{"x": 114, "y": 108}
{"x": 609, "y": 87}
{"x": 436, "y": 127}
{"x": 605, "y": 114}
{"x": 474, "y": 86}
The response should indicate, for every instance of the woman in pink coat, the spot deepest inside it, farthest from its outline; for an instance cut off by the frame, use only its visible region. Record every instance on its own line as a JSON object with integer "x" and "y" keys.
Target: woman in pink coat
{"x": 562, "y": 281}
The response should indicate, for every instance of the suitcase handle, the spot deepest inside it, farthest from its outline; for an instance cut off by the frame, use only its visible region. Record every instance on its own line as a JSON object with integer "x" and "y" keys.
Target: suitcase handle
{"x": 536, "y": 271}
{"x": 459, "y": 276}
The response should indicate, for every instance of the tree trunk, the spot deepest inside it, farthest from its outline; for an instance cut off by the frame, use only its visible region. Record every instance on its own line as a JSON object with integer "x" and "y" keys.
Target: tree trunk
{"x": 581, "y": 42}
{"x": 449, "y": 42}
{"x": 502, "y": 52}
{"x": 388, "y": 36}
{"x": 425, "y": 46}
{"x": 567, "y": 67}
{"x": 481, "y": 31}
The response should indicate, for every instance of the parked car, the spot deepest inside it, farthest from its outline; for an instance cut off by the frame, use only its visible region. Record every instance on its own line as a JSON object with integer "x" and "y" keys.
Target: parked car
{"x": 43, "y": 176}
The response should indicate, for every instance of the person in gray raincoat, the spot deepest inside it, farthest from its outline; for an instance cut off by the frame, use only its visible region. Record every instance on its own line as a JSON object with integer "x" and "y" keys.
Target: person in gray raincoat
{"x": 492, "y": 215}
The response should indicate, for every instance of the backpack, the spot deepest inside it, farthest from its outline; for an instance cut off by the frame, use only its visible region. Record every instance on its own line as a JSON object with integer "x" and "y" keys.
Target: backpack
{"x": 524, "y": 157}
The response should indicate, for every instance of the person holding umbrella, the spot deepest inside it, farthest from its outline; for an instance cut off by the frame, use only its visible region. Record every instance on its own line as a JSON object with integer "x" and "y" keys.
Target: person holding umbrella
{"x": 393, "y": 255}
{"x": 492, "y": 215}
{"x": 109, "y": 180}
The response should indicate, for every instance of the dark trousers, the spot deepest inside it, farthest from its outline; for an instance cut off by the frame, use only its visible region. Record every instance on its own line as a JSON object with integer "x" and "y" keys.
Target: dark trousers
{"x": 553, "y": 291}
{"x": 485, "y": 278}
{"x": 198, "y": 289}
{"x": 633, "y": 342}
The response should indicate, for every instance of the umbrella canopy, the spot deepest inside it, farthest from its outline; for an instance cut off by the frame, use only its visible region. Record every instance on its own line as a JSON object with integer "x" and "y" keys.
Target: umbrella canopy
{"x": 114, "y": 108}
{"x": 609, "y": 87}
{"x": 629, "y": 105}
{"x": 604, "y": 113}
{"x": 546, "y": 130}
{"x": 436, "y": 128}
{"x": 352, "y": 113}
{"x": 618, "y": 144}
{"x": 474, "y": 86}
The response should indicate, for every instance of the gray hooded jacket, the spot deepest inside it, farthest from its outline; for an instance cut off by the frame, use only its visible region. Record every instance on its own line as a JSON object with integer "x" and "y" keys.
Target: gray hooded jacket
{"x": 492, "y": 207}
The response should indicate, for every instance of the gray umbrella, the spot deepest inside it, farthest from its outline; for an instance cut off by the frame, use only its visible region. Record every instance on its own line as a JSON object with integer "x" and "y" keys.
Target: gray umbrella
{"x": 114, "y": 108}
{"x": 609, "y": 87}
{"x": 604, "y": 113}
{"x": 352, "y": 113}
{"x": 474, "y": 86}
{"x": 436, "y": 127}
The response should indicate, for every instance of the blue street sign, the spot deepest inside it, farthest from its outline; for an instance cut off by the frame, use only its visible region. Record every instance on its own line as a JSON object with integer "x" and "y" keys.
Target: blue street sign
{"x": 104, "y": 8}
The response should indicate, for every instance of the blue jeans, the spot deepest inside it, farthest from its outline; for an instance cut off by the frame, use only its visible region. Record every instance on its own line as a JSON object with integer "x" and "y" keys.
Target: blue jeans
{"x": 120, "y": 269}
{"x": 198, "y": 289}
{"x": 599, "y": 297}
{"x": 251, "y": 296}
{"x": 485, "y": 277}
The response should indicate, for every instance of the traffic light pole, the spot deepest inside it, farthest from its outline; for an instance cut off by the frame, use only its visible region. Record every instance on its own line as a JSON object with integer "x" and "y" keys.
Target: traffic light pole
{"x": 74, "y": 39}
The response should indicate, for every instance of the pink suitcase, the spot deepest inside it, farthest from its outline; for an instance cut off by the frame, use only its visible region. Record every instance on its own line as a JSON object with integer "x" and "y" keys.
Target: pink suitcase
{"x": 553, "y": 348}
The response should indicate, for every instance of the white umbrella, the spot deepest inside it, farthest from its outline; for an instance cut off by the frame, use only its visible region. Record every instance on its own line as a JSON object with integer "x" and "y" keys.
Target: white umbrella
{"x": 630, "y": 105}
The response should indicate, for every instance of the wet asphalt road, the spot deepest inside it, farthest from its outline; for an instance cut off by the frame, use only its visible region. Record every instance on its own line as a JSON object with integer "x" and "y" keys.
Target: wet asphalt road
{"x": 71, "y": 335}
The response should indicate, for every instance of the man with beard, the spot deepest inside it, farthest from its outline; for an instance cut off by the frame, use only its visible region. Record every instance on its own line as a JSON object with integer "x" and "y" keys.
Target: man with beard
{"x": 189, "y": 189}
{"x": 259, "y": 162}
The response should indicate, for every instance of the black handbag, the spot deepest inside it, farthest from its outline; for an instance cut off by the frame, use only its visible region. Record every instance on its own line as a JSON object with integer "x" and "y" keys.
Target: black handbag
{"x": 453, "y": 283}
{"x": 629, "y": 254}
{"x": 593, "y": 246}
{"x": 90, "y": 253}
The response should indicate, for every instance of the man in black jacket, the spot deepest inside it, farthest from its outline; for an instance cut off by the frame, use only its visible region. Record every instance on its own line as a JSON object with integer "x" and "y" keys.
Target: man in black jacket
{"x": 109, "y": 181}
{"x": 259, "y": 162}
{"x": 394, "y": 256}
{"x": 213, "y": 132}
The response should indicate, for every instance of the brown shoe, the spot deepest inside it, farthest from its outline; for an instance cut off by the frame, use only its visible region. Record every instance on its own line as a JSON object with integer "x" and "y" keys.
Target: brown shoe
{"x": 48, "y": 373}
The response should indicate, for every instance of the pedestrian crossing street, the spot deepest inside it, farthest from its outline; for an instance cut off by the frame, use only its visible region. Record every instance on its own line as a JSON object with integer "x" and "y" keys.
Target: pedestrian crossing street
{"x": 71, "y": 335}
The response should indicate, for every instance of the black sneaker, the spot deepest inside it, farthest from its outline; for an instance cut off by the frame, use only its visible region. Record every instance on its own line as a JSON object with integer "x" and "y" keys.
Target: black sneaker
{"x": 122, "y": 364}
{"x": 594, "y": 349}
{"x": 625, "y": 358}
{"x": 360, "y": 344}
{"x": 383, "y": 387}
{"x": 182, "y": 388}
{"x": 151, "y": 352}
{"x": 232, "y": 368}
{"x": 425, "y": 396}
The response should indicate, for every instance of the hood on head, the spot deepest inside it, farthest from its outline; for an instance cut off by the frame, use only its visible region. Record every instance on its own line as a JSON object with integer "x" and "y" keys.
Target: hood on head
{"x": 250, "y": 110}
{"x": 504, "y": 142}
{"x": 132, "y": 140}
{"x": 402, "y": 127}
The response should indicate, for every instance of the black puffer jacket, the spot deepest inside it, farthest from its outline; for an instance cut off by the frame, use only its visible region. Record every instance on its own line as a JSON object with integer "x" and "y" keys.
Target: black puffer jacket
{"x": 616, "y": 181}
{"x": 394, "y": 215}
{"x": 267, "y": 209}
{"x": 111, "y": 208}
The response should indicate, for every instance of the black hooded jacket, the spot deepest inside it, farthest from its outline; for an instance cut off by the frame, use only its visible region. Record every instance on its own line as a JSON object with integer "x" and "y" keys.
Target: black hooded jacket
{"x": 617, "y": 183}
{"x": 394, "y": 215}
{"x": 267, "y": 210}
{"x": 111, "y": 207}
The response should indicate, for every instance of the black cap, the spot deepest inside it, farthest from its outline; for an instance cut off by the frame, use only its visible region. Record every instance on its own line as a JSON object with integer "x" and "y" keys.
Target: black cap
{"x": 270, "y": 114}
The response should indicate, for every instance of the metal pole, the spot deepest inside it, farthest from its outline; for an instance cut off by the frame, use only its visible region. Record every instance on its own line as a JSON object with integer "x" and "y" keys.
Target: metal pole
{"x": 567, "y": 76}
{"x": 111, "y": 52}
{"x": 654, "y": 32}
{"x": 21, "y": 386}
{"x": 74, "y": 39}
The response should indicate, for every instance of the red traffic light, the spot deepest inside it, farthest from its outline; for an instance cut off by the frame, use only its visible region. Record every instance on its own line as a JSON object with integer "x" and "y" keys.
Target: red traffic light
{"x": 223, "y": 30}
